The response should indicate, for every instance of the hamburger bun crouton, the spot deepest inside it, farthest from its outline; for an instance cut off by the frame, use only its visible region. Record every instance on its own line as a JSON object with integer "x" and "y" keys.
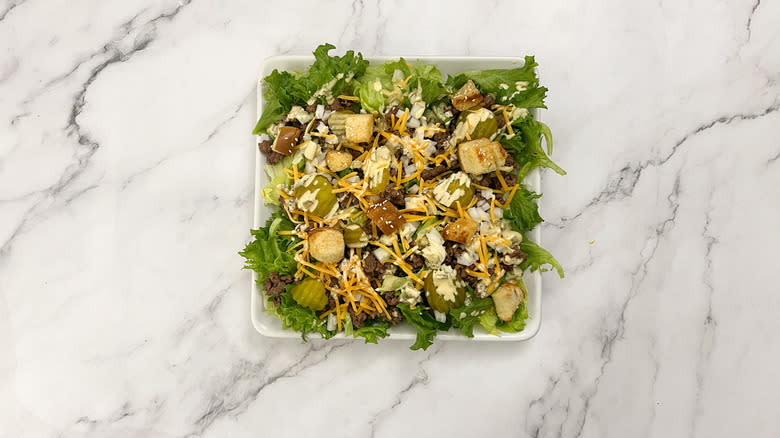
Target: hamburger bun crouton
{"x": 326, "y": 244}
{"x": 461, "y": 231}
{"x": 507, "y": 299}
{"x": 359, "y": 128}
{"x": 481, "y": 156}
{"x": 467, "y": 97}
{"x": 338, "y": 160}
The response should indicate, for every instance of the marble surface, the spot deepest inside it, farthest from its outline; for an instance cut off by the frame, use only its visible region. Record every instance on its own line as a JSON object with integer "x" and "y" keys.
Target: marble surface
{"x": 126, "y": 170}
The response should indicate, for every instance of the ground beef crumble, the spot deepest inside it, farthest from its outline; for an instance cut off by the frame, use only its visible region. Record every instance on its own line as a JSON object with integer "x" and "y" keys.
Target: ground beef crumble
{"x": 472, "y": 281}
{"x": 429, "y": 174}
{"x": 453, "y": 251}
{"x": 271, "y": 155}
{"x": 518, "y": 254}
{"x": 374, "y": 269}
{"x": 390, "y": 113}
{"x": 390, "y": 298}
{"x": 275, "y": 285}
{"x": 357, "y": 318}
{"x": 394, "y": 195}
{"x": 339, "y": 104}
{"x": 416, "y": 261}
{"x": 510, "y": 179}
{"x": 395, "y": 316}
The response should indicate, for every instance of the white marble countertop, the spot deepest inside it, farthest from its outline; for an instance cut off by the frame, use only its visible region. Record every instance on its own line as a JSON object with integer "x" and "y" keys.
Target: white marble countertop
{"x": 126, "y": 177}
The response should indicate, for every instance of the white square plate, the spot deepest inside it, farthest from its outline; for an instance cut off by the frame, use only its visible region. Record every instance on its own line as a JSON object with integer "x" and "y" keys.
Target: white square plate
{"x": 270, "y": 325}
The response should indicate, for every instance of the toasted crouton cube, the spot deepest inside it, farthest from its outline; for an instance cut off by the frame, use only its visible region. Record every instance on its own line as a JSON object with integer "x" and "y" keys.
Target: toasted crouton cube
{"x": 359, "y": 127}
{"x": 467, "y": 97}
{"x": 326, "y": 244}
{"x": 338, "y": 160}
{"x": 507, "y": 299}
{"x": 461, "y": 231}
{"x": 286, "y": 140}
{"x": 481, "y": 156}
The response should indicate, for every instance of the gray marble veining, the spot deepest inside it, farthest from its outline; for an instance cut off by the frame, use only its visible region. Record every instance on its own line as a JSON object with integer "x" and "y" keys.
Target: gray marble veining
{"x": 126, "y": 186}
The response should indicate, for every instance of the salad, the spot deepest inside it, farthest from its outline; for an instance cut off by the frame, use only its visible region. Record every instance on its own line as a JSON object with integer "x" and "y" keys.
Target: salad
{"x": 399, "y": 197}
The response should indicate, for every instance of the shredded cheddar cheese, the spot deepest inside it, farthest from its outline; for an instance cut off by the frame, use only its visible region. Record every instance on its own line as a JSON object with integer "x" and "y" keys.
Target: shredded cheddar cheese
{"x": 506, "y": 120}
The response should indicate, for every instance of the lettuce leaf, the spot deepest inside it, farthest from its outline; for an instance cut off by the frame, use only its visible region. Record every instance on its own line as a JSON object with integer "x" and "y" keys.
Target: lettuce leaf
{"x": 285, "y": 89}
{"x": 429, "y": 79}
{"x": 276, "y": 177}
{"x": 517, "y": 324}
{"x": 391, "y": 283}
{"x": 488, "y": 321}
{"x": 269, "y": 251}
{"x": 327, "y": 68}
{"x": 464, "y": 318}
{"x": 371, "y": 331}
{"x": 272, "y": 112}
{"x": 378, "y": 79}
{"x": 537, "y": 257}
{"x": 482, "y": 311}
{"x": 503, "y": 83}
{"x": 372, "y": 99}
{"x": 374, "y": 332}
{"x": 425, "y": 324}
{"x": 526, "y": 146}
{"x": 523, "y": 212}
{"x": 298, "y": 318}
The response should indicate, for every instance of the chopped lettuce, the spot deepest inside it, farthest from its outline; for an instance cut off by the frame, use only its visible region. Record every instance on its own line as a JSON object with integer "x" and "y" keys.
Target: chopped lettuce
{"x": 428, "y": 78}
{"x": 488, "y": 321}
{"x": 376, "y": 86}
{"x": 517, "y": 324}
{"x": 371, "y": 331}
{"x": 327, "y": 68}
{"x": 425, "y": 324}
{"x": 523, "y": 213}
{"x": 270, "y": 251}
{"x": 536, "y": 257}
{"x": 526, "y": 146}
{"x": 327, "y": 76}
{"x": 516, "y": 86}
{"x": 482, "y": 311}
{"x": 392, "y": 283}
{"x": 370, "y": 88}
{"x": 374, "y": 332}
{"x": 464, "y": 318}
{"x": 276, "y": 177}
{"x": 273, "y": 111}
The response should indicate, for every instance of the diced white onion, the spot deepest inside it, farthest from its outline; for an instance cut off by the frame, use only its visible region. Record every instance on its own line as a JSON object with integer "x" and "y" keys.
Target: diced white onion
{"x": 430, "y": 149}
